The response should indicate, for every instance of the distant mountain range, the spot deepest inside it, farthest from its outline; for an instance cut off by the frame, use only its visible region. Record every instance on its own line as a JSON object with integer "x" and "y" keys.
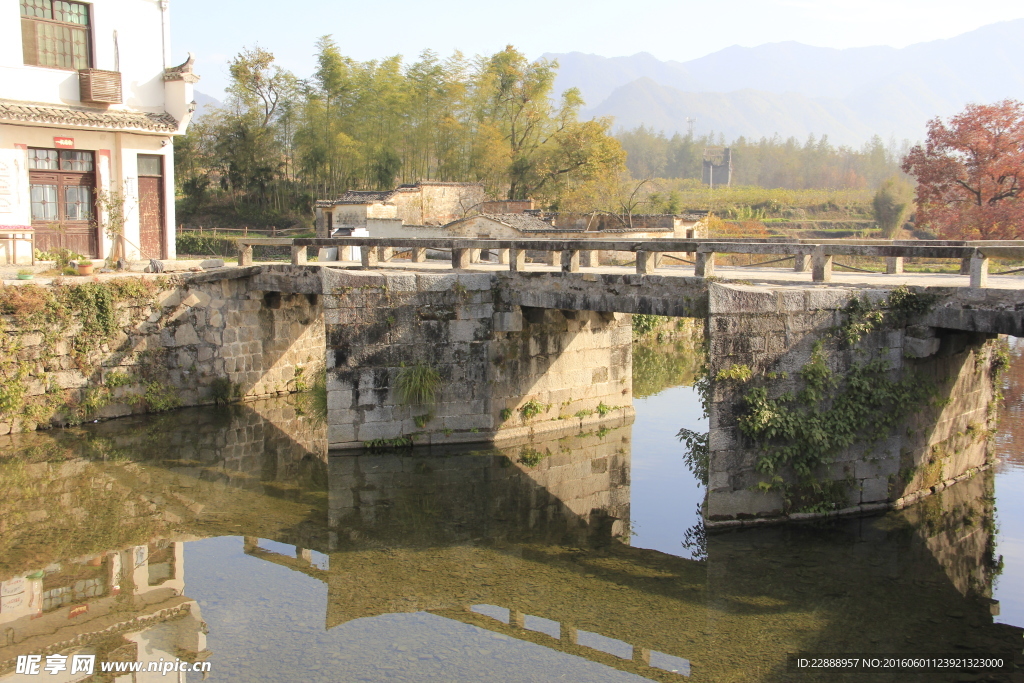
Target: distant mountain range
{"x": 793, "y": 89}
{"x": 204, "y": 103}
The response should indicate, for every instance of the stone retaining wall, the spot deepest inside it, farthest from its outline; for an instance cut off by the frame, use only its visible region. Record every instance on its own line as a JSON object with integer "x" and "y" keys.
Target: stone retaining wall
{"x": 185, "y": 341}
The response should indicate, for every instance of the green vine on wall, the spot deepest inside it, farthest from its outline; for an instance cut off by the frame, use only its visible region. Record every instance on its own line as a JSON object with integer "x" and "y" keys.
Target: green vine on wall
{"x": 51, "y": 312}
{"x": 808, "y": 428}
{"x": 644, "y": 324}
{"x": 862, "y": 318}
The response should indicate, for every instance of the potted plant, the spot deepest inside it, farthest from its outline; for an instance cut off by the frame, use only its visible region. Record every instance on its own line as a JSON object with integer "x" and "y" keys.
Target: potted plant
{"x": 25, "y": 274}
{"x": 85, "y": 267}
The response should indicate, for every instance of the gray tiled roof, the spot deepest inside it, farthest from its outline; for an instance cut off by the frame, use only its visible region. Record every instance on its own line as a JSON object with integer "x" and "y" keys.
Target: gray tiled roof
{"x": 359, "y": 197}
{"x": 520, "y": 221}
{"x": 87, "y": 118}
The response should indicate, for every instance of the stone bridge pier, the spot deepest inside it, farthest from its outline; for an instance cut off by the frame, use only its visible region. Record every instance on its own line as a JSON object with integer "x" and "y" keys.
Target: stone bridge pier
{"x": 505, "y": 371}
{"x": 774, "y": 339}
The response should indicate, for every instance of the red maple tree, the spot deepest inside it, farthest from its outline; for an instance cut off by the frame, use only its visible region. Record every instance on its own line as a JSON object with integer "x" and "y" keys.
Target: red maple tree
{"x": 970, "y": 173}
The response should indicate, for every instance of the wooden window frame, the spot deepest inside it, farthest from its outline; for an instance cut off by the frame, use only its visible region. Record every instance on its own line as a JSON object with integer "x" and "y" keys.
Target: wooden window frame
{"x": 160, "y": 157}
{"x": 88, "y": 27}
{"x": 63, "y": 178}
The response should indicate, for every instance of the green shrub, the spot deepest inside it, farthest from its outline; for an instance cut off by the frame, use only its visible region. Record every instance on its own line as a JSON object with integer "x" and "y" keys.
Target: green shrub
{"x": 203, "y": 244}
{"x": 532, "y": 408}
{"x": 644, "y": 324}
{"x": 117, "y": 379}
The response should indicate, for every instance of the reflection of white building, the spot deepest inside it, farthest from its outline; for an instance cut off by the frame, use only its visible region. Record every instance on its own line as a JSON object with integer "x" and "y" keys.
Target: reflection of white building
{"x": 88, "y": 105}
{"x": 120, "y": 606}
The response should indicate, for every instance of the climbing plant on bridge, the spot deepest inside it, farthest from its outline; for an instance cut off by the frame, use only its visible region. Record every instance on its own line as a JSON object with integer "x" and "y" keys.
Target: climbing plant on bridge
{"x": 809, "y": 428}
{"x": 806, "y": 429}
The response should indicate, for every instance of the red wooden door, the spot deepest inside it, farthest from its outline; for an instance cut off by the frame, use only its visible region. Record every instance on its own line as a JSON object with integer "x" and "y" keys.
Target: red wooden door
{"x": 151, "y": 216}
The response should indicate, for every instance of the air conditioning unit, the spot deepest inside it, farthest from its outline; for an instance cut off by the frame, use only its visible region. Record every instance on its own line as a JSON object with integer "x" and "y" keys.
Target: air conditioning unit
{"x": 100, "y": 86}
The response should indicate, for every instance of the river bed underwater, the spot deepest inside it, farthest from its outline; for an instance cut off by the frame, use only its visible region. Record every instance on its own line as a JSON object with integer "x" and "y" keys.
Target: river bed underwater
{"x": 229, "y": 536}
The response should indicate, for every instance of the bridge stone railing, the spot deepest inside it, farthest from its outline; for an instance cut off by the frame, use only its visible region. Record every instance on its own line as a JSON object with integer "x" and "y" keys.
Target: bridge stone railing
{"x": 974, "y": 256}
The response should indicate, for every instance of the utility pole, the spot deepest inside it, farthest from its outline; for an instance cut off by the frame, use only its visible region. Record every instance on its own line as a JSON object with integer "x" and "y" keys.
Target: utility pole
{"x": 689, "y": 126}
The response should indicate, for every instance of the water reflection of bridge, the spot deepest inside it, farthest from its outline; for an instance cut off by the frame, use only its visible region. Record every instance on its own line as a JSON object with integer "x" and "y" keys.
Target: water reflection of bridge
{"x": 538, "y": 530}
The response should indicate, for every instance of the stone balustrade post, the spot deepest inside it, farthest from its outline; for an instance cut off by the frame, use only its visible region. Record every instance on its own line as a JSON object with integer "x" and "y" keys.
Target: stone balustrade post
{"x": 979, "y": 270}
{"x": 419, "y": 255}
{"x": 385, "y": 254}
{"x": 571, "y": 261}
{"x": 369, "y": 257}
{"x": 245, "y": 255}
{"x": 822, "y": 265}
{"x": 517, "y": 259}
{"x": 645, "y": 262}
{"x": 704, "y": 265}
{"x": 461, "y": 257}
{"x": 591, "y": 258}
{"x": 801, "y": 263}
{"x": 893, "y": 265}
{"x": 299, "y": 256}
{"x": 503, "y": 256}
{"x": 554, "y": 258}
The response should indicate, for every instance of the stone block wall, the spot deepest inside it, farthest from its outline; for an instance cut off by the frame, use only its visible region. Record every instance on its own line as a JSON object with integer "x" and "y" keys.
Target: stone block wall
{"x": 505, "y": 371}
{"x": 772, "y": 331}
{"x": 181, "y": 343}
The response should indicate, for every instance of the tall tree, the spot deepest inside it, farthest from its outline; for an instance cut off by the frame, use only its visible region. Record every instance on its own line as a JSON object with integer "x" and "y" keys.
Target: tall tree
{"x": 970, "y": 173}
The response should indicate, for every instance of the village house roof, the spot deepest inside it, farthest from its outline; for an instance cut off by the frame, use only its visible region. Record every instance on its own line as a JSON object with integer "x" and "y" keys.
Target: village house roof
{"x": 520, "y": 221}
{"x": 377, "y": 196}
{"x": 16, "y": 112}
{"x": 528, "y": 222}
{"x": 359, "y": 197}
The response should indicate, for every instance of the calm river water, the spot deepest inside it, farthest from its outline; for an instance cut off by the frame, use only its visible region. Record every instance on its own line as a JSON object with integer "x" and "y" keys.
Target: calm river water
{"x": 229, "y": 536}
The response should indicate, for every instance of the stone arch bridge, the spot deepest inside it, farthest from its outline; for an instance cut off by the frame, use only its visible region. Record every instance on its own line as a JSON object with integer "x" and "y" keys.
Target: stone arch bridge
{"x": 523, "y": 349}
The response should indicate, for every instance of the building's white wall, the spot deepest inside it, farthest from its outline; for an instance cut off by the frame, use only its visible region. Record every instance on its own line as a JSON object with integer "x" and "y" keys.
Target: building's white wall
{"x": 141, "y": 40}
{"x": 393, "y": 227}
{"x": 14, "y": 202}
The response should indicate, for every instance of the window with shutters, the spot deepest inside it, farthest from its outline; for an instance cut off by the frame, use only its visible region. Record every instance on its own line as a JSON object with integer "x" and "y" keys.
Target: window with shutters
{"x": 55, "y": 34}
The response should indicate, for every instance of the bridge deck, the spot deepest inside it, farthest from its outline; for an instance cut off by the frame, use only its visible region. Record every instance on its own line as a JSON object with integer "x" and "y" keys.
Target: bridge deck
{"x": 746, "y": 275}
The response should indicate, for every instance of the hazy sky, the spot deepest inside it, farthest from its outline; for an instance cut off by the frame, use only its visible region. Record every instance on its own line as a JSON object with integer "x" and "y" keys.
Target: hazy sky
{"x": 680, "y": 29}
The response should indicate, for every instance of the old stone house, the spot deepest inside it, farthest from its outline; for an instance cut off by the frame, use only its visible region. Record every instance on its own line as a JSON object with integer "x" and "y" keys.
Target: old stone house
{"x": 426, "y": 203}
{"x": 89, "y": 103}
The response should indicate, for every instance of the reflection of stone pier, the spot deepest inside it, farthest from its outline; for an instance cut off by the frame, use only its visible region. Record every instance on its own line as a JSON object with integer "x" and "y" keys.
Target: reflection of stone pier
{"x": 566, "y": 490}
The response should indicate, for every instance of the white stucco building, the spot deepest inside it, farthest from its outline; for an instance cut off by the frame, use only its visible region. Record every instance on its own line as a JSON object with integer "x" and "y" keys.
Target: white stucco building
{"x": 89, "y": 103}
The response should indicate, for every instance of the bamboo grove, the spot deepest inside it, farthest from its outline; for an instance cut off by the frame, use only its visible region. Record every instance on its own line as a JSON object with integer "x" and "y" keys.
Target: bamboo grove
{"x": 280, "y": 142}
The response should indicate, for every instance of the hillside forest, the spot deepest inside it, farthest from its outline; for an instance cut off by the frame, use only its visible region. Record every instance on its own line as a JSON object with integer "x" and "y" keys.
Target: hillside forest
{"x": 280, "y": 142}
